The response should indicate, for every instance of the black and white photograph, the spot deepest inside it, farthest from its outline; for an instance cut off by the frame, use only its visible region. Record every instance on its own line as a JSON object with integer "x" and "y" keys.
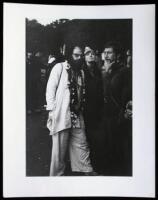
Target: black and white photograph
{"x": 79, "y": 100}
{"x": 79, "y": 88}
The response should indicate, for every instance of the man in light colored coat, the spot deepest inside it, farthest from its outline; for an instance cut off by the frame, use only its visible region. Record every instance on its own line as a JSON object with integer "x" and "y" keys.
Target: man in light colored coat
{"x": 65, "y": 102}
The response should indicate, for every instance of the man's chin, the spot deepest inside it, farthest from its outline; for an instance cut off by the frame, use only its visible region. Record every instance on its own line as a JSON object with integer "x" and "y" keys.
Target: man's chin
{"x": 108, "y": 61}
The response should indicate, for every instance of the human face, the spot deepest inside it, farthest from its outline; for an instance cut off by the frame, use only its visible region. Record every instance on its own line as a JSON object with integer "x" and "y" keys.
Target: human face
{"x": 77, "y": 54}
{"x": 90, "y": 56}
{"x": 109, "y": 55}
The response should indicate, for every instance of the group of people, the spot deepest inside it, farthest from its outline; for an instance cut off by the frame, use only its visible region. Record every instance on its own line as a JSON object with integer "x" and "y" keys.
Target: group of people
{"x": 89, "y": 106}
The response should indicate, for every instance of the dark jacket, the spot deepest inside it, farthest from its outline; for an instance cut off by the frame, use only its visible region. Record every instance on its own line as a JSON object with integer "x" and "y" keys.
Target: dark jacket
{"x": 111, "y": 106}
{"x": 121, "y": 86}
{"x": 94, "y": 97}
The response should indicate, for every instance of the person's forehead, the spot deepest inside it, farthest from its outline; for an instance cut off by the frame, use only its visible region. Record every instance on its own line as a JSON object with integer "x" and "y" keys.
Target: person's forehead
{"x": 77, "y": 50}
{"x": 110, "y": 49}
{"x": 91, "y": 51}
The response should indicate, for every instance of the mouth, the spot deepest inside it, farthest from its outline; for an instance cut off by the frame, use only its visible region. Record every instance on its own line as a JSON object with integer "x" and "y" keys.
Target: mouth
{"x": 108, "y": 61}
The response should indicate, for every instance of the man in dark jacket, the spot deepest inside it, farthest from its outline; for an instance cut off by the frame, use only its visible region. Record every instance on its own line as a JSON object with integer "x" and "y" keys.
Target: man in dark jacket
{"x": 121, "y": 86}
{"x": 110, "y": 69}
{"x": 93, "y": 108}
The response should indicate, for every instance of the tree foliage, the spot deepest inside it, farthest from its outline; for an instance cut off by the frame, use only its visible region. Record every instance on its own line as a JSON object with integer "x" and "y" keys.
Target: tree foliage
{"x": 52, "y": 37}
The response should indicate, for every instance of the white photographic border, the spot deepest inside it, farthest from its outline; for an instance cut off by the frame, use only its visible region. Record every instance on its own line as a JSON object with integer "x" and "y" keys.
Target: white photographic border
{"x": 15, "y": 182}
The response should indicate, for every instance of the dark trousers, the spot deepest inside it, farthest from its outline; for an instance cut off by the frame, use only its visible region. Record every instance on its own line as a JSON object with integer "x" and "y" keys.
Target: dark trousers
{"x": 110, "y": 145}
{"x": 118, "y": 144}
{"x": 96, "y": 141}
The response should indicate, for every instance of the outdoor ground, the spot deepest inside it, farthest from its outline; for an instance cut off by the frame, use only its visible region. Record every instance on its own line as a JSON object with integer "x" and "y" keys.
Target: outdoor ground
{"x": 38, "y": 147}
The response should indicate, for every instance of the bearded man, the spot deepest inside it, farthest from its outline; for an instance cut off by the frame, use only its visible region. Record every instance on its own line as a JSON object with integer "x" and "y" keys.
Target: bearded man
{"x": 65, "y": 96}
{"x": 110, "y": 69}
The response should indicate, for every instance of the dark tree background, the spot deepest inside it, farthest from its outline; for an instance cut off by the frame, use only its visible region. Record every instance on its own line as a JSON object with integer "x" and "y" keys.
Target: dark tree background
{"x": 62, "y": 34}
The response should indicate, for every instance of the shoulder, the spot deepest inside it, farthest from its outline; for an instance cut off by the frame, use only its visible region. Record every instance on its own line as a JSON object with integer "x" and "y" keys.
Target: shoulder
{"x": 58, "y": 67}
{"x": 122, "y": 77}
{"x": 56, "y": 70}
{"x": 124, "y": 72}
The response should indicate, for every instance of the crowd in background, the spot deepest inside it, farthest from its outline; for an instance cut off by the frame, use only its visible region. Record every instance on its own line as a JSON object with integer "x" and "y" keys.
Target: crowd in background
{"x": 38, "y": 67}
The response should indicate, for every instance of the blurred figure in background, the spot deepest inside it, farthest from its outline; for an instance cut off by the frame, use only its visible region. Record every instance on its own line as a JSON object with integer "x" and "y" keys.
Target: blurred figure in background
{"x": 29, "y": 82}
{"x": 37, "y": 84}
{"x": 43, "y": 80}
{"x": 129, "y": 58}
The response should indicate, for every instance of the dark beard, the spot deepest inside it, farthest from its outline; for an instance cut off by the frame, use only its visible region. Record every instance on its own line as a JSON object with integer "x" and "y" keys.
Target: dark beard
{"x": 76, "y": 64}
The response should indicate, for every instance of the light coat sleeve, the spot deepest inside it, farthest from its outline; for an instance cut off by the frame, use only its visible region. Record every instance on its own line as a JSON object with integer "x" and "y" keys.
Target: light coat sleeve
{"x": 52, "y": 86}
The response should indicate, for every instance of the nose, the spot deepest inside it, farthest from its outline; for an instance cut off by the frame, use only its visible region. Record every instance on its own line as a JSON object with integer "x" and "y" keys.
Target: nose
{"x": 78, "y": 58}
{"x": 106, "y": 55}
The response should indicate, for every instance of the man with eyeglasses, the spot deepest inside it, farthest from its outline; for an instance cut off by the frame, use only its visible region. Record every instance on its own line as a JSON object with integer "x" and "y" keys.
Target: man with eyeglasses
{"x": 65, "y": 97}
